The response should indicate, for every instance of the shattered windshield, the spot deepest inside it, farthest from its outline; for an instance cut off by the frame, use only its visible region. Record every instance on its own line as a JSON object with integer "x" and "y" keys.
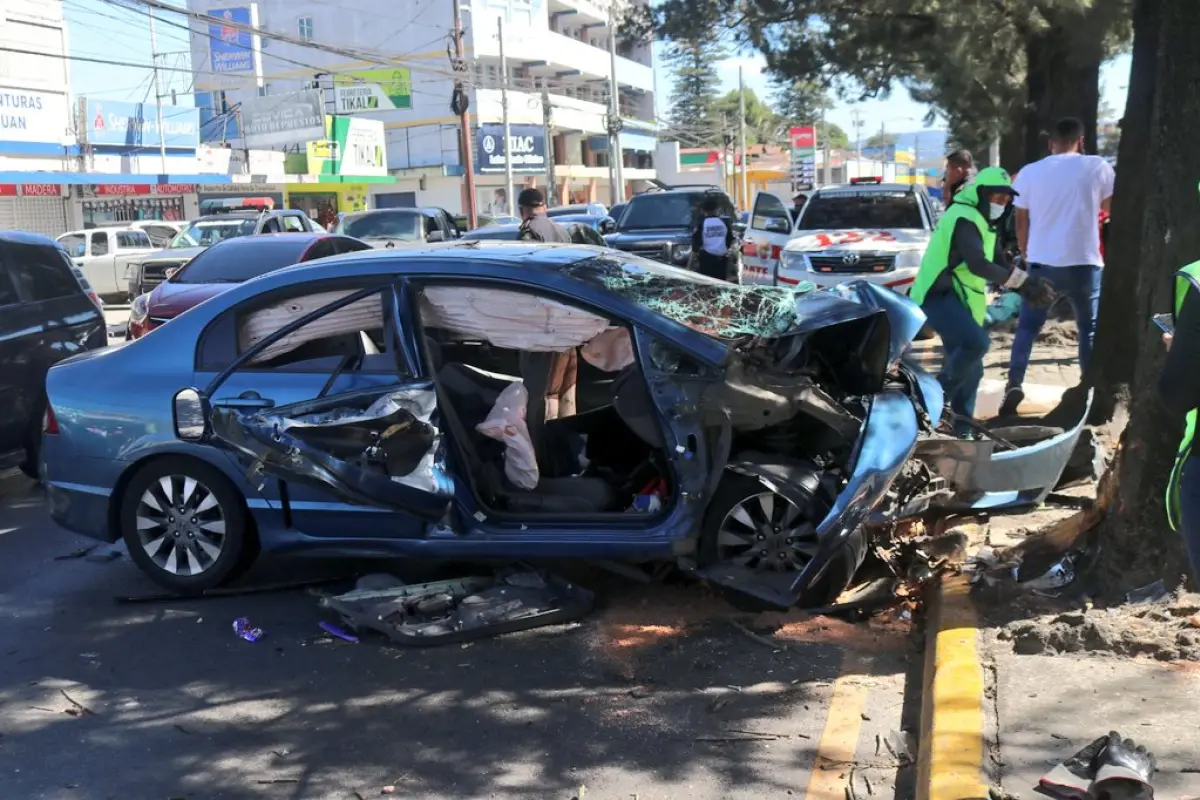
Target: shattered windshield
{"x": 707, "y": 305}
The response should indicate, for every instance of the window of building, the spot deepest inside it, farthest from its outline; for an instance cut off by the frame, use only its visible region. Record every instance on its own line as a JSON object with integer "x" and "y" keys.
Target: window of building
{"x": 305, "y": 27}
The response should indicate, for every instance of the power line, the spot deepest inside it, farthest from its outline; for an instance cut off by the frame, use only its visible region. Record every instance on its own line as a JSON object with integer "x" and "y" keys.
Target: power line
{"x": 89, "y": 60}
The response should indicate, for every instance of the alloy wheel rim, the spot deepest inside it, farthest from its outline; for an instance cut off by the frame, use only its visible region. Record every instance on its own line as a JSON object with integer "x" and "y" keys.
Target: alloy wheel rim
{"x": 767, "y": 532}
{"x": 181, "y": 525}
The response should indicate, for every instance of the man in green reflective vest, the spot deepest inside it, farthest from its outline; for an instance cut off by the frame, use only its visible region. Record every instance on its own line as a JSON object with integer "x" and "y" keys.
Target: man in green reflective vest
{"x": 1179, "y": 388}
{"x": 952, "y": 283}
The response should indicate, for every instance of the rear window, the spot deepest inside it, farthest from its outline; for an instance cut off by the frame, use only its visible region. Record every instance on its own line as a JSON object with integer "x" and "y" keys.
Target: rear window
{"x": 133, "y": 240}
{"x": 866, "y": 209}
{"x": 42, "y": 273}
{"x": 242, "y": 260}
{"x": 668, "y": 210}
{"x": 207, "y": 232}
{"x": 404, "y": 225}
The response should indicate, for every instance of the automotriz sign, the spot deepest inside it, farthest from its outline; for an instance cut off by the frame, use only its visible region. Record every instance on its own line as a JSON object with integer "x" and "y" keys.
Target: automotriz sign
{"x": 526, "y": 144}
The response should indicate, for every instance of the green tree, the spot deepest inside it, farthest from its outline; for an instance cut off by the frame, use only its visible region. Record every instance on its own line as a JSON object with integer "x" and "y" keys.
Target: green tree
{"x": 763, "y": 125}
{"x": 880, "y": 139}
{"x": 830, "y": 134}
{"x": 693, "y": 63}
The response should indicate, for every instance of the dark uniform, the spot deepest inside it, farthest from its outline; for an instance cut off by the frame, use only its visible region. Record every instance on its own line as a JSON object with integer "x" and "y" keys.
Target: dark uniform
{"x": 540, "y": 228}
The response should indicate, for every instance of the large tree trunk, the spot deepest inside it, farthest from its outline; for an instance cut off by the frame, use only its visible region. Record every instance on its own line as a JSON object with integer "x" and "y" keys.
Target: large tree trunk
{"x": 1136, "y": 540}
{"x": 1117, "y": 337}
{"x": 1062, "y": 79}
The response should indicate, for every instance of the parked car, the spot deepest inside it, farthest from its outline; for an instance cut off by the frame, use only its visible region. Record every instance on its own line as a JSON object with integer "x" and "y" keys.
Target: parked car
{"x": 104, "y": 253}
{"x": 586, "y": 209}
{"x": 482, "y": 221}
{"x": 867, "y": 229}
{"x": 616, "y": 211}
{"x": 388, "y": 227}
{"x": 48, "y": 312}
{"x": 581, "y": 233}
{"x": 229, "y": 221}
{"x": 658, "y": 224}
{"x": 602, "y": 224}
{"x": 225, "y": 264}
{"x": 361, "y": 405}
{"x": 160, "y": 231}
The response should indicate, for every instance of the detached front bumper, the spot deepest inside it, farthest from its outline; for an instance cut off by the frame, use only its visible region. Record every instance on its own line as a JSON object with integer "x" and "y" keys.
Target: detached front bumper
{"x": 888, "y": 440}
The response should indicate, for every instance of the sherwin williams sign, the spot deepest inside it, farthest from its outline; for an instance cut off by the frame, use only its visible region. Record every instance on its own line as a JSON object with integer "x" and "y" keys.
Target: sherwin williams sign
{"x": 230, "y": 43}
{"x": 372, "y": 90}
{"x": 109, "y": 122}
{"x": 527, "y": 146}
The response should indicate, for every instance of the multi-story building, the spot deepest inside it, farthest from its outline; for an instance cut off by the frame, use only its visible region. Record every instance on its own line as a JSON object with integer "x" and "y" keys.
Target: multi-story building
{"x": 558, "y": 60}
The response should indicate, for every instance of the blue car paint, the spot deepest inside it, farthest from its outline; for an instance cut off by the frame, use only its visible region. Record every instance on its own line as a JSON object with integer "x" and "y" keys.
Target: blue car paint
{"x": 116, "y": 431}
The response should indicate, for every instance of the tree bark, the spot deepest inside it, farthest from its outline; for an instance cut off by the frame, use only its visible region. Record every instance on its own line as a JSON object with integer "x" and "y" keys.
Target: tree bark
{"x": 1062, "y": 79}
{"x": 1137, "y": 541}
{"x": 1117, "y": 336}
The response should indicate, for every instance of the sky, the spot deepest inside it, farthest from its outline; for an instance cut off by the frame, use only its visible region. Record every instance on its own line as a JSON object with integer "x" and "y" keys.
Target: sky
{"x": 99, "y": 30}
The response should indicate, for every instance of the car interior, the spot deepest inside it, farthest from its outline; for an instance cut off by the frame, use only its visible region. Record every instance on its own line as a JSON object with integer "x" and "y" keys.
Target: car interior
{"x": 518, "y": 376}
{"x": 593, "y": 430}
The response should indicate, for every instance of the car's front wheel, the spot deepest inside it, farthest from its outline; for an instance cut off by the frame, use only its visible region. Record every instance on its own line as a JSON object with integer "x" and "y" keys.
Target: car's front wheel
{"x": 185, "y": 525}
{"x": 748, "y": 525}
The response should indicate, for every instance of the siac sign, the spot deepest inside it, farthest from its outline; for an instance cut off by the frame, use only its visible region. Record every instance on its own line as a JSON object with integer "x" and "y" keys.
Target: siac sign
{"x": 526, "y": 144}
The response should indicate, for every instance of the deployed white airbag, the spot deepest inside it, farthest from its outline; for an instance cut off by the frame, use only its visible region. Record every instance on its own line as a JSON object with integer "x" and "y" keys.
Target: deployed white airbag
{"x": 506, "y": 423}
{"x": 509, "y": 319}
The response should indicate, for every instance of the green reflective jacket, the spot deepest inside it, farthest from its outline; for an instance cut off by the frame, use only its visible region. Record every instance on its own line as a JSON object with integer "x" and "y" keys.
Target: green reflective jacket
{"x": 1188, "y": 277}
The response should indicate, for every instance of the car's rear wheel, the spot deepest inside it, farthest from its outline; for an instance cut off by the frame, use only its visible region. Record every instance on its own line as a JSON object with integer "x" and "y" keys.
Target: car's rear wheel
{"x": 185, "y": 525}
{"x": 750, "y": 526}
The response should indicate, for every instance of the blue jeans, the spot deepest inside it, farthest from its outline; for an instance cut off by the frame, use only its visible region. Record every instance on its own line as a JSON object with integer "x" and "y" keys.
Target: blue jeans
{"x": 1189, "y": 511}
{"x": 1081, "y": 285}
{"x": 966, "y": 342}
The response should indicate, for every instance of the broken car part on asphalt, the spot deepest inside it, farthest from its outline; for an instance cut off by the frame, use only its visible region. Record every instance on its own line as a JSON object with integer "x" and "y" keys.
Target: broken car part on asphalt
{"x": 464, "y": 609}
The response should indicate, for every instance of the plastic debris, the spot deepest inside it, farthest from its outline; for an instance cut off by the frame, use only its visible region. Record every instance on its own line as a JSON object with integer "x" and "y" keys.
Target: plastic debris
{"x": 1152, "y": 593}
{"x": 1004, "y": 308}
{"x": 241, "y": 627}
{"x": 1061, "y": 573}
{"x": 334, "y": 630}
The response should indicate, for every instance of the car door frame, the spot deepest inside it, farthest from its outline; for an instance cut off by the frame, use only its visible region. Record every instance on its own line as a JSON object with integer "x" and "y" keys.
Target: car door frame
{"x": 757, "y": 267}
{"x": 314, "y": 516}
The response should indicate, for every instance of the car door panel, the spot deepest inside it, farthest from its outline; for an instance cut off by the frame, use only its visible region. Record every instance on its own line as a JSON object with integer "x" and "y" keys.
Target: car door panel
{"x": 323, "y": 494}
{"x": 768, "y": 231}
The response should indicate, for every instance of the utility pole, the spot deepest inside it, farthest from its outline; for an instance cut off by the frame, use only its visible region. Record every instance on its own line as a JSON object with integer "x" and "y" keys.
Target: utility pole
{"x": 508, "y": 149}
{"x": 616, "y": 171}
{"x": 828, "y": 167}
{"x": 464, "y": 117}
{"x": 994, "y": 153}
{"x": 883, "y": 148}
{"x": 744, "y": 186}
{"x": 551, "y": 181}
{"x": 162, "y": 135}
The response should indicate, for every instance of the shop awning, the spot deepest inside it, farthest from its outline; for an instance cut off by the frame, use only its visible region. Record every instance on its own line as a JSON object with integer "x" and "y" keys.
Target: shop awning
{"x": 103, "y": 178}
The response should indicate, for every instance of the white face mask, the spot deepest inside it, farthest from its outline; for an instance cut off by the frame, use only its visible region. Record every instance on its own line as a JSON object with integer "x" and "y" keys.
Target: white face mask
{"x": 996, "y": 210}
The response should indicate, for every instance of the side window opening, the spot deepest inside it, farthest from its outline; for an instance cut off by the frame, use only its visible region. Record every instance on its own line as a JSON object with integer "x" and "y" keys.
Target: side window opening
{"x": 292, "y": 224}
{"x": 100, "y": 244}
{"x": 271, "y": 226}
{"x": 41, "y": 272}
{"x": 321, "y": 345}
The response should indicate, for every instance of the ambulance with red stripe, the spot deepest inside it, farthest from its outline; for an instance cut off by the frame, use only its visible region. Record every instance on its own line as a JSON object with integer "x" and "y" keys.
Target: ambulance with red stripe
{"x": 864, "y": 230}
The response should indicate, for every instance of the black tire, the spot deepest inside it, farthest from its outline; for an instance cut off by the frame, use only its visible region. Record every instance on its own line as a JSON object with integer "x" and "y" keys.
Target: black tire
{"x": 736, "y": 488}
{"x": 238, "y": 545}
{"x": 33, "y": 444}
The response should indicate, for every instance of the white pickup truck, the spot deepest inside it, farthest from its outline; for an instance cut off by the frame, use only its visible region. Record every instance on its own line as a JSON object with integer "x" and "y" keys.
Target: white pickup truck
{"x": 867, "y": 230}
{"x": 103, "y": 254}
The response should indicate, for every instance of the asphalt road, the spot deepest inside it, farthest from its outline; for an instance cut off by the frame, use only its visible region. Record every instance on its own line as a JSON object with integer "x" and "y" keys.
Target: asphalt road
{"x": 656, "y": 695}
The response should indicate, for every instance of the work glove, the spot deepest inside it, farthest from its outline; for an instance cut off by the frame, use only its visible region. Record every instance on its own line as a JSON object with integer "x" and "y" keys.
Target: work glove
{"x": 1124, "y": 770}
{"x": 1071, "y": 779}
{"x": 1037, "y": 292}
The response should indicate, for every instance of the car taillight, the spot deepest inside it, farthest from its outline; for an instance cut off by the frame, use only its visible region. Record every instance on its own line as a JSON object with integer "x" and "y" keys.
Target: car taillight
{"x": 49, "y": 423}
{"x": 96, "y": 301}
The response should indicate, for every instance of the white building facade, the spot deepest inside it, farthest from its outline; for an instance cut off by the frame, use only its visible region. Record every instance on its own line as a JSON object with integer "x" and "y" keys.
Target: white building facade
{"x": 556, "y": 50}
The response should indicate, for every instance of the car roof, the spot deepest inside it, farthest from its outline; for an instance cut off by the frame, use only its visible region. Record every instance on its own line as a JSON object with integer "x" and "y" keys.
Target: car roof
{"x": 87, "y": 231}
{"x": 298, "y": 241}
{"x": 862, "y": 188}
{"x": 480, "y": 234}
{"x": 25, "y": 237}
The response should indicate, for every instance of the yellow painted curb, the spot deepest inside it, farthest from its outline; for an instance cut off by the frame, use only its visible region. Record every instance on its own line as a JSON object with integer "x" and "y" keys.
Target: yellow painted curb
{"x": 950, "y": 762}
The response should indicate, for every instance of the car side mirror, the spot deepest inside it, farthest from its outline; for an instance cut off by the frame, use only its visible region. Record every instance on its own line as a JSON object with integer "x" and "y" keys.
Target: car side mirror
{"x": 435, "y": 236}
{"x": 775, "y": 225}
{"x": 191, "y": 414}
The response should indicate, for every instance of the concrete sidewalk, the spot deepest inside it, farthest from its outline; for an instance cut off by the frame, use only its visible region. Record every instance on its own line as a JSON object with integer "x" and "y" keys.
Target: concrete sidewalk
{"x": 1045, "y": 708}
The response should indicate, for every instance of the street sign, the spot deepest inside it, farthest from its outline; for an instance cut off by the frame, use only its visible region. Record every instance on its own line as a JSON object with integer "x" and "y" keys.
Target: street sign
{"x": 803, "y": 139}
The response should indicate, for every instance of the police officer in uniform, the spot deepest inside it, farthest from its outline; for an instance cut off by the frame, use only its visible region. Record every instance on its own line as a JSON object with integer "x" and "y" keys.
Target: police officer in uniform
{"x": 535, "y": 225}
{"x": 712, "y": 241}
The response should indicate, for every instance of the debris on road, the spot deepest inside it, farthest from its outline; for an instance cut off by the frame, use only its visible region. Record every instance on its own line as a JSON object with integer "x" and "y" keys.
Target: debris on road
{"x": 241, "y": 627}
{"x": 334, "y": 630}
{"x": 463, "y": 609}
{"x": 75, "y": 554}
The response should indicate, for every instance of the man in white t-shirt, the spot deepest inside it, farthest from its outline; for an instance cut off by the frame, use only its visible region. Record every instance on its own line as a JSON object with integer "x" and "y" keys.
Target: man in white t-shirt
{"x": 1058, "y": 205}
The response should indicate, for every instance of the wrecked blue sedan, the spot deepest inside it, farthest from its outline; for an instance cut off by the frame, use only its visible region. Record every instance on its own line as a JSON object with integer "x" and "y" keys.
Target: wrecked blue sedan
{"x": 517, "y": 401}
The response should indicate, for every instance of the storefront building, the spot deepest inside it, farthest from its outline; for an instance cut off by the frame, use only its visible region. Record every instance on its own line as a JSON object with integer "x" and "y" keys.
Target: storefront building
{"x": 99, "y": 203}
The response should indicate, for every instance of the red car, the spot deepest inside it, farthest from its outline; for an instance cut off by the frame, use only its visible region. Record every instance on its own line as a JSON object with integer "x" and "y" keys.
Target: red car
{"x": 228, "y": 263}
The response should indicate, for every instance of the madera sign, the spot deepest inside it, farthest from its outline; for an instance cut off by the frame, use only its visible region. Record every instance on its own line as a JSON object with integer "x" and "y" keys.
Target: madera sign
{"x": 527, "y": 144}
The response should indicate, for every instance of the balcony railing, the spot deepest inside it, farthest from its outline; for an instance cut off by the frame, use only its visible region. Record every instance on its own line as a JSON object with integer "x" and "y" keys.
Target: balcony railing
{"x": 555, "y": 51}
